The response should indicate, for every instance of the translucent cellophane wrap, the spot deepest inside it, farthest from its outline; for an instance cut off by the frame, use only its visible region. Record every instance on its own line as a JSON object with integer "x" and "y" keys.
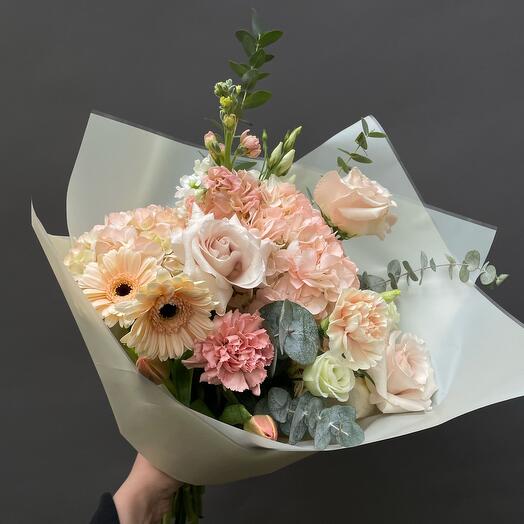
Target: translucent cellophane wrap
{"x": 477, "y": 349}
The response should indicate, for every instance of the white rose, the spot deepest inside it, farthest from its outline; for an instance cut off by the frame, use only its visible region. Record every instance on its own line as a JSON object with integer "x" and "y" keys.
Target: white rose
{"x": 223, "y": 253}
{"x": 404, "y": 380}
{"x": 329, "y": 376}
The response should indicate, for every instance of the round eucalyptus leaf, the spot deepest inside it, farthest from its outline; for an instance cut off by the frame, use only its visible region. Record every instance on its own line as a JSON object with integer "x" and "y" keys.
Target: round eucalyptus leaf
{"x": 349, "y": 433}
{"x": 315, "y": 407}
{"x": 278, "y": 401}
{"x": 376, "y": 284}
{"x": 323, "y": 430}
{"x": 394, "y": 268}
{"x": 464, "y": 273}
{"x": 298, "y": 422}
{"x": 472, "y": 259}
{"x": 285, "y": 427}
{"x": 489, "y": 275}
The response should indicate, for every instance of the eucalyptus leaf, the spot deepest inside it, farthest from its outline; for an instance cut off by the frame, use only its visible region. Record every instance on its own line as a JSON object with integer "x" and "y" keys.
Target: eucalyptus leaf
{"x": 395, "y": 268}
{"x": 359, "y": 158}
{"x": 376, "y": 284}
{"x": 349, "y": 434}
{"x": 278, "y": 401}
{"x": 472, "y": 259}
{"x": 316, "y": 405}
{"x": 285, "y": 427}
{"x": 433, "y": 265}
{"x": 393, "y": 281}
{"x": 377, "y": 134}
{"x": 489, "y": 275}
{"x": 411, "y": 274}
{"x": 464, "y": 273}
{"x": 298, "y": 426}
{"x": 365, "y": 127}
{"x": 322, "y": 430}
{"x": 342, "y": 164}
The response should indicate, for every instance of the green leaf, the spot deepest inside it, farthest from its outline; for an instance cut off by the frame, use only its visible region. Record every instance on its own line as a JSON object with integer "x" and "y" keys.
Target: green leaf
{"x": 365, "y": 127}
{"x": 411, "y": 274}
{"x": 359, "y": 158}
{"x": 338, "y": 422}
{"x": 472, "y": 259}
{"x": 247, "y": 40}
{"x": 464, "y": 273}
{"x": 488, "y": 275}
{"x": 257, "y": 59}
{"x": 344, "y": 151}
{"x": 293, "y": 330}
{"x": 394, "y": 267}
{"x": 278, "y": 401}
{"x": 376, "y": 284}
{"x": 239, "y": 69}
{"x": 200, "y": 406}
{"x": 316, "y": 405}
{"x": 451, "y": 260}
{"x": 500, "y": 279}
{"x": 285, "y": 427}
{"x": 257, "y": 99}
{"x": 342, "y": 164}
{"x": 269, "y": 38}
{"x": 377, "y": 134}
{"x": 393, "y": 281}
{"x": 182, "y": 378}
{"x": 235, "y": 414}
{"x": 433, "y": 265}
{"x": 245, "y": 165}
{"x": 361, "y": 140}
{"x": 298, "y": 426}
{"x": 364, "y": 282}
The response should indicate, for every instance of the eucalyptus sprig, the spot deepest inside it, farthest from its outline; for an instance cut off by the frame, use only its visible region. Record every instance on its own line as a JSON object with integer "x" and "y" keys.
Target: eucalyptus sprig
{"x": 470, "y": 265}
{"x": 362, "y": 143}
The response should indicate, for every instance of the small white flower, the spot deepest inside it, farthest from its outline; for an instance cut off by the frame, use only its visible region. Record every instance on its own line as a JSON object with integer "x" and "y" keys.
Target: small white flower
{"x": 192, "y": 185}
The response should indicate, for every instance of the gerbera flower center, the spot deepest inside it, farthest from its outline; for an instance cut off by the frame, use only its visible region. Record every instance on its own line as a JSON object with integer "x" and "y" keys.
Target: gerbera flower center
{"x": 168, "y": 310}
{"x": 122, "y": 290}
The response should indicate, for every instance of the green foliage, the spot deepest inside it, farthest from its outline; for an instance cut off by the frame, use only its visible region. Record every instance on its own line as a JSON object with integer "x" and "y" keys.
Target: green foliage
{"x": 293, "y": 331}
{"x": 235, "y": 414}
{"x": 308, "y": 414}
{"x": 200, "y": 406}
{"x": 362, "y": 144}
{"x": 182, "y": 379}
{"x": 470, "y": 264}
{"x": 372, "y": 282}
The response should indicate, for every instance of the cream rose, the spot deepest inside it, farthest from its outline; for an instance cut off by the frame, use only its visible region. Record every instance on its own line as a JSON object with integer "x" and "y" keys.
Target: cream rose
{"x": 329, "y": 376}
{"x": 358, "y": 327}
{"x": 404, "y": 380}
{"x": 355, "y": 204}
{"x": 223, "y": 253}
{"x": 359, "y": 399}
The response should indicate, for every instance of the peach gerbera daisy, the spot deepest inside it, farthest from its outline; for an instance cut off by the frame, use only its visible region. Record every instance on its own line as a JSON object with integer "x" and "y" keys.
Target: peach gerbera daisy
{"x": 170, "y": 314}
{"x": 115, "y": 277}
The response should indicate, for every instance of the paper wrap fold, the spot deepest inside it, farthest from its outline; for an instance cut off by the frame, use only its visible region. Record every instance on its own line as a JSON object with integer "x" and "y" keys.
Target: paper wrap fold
{"x": 477, "y": 349}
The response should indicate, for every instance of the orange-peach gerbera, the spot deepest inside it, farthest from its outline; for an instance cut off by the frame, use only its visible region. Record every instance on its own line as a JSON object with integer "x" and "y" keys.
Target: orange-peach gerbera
{"x": 170, "y": 314}
{"x": 115, "y": 277}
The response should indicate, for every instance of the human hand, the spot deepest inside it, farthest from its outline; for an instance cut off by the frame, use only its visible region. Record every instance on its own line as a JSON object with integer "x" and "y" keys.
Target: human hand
{"x": 146, "y": 494}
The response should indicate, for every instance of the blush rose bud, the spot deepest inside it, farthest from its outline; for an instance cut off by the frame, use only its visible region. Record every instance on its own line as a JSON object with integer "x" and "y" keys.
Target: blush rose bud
{"x": 154, "y": 370}
{"x": 262, "y": 425}
{"x": 210, "y": 139}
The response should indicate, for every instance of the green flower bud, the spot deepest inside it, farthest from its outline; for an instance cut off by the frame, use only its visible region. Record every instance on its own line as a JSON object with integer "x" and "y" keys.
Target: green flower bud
{"x": 291, "y": 139}
{"x": 285, "y": 164}
{"x": 275, "y": 156}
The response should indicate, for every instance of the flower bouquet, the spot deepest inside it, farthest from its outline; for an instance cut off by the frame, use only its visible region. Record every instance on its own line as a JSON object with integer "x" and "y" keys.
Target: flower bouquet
{"x": 266, "y": 309}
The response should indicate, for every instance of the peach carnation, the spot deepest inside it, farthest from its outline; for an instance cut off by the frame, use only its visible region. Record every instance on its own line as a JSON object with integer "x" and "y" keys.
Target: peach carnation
{"x": 235, "y": 354}
{"x": 231, "y": 192}
{"x": 358, "y": 327}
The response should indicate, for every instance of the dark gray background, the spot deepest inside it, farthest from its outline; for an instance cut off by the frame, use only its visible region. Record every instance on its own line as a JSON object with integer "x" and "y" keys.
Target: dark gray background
{"x": 446, "y": 81}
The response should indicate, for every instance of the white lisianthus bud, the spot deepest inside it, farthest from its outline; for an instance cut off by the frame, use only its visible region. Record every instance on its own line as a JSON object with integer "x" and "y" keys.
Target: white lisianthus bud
{"x": 329, "y": 376}
{"x": 291, "y": 139}
{"x": 285, "y": 163}
{"x": 275, "y": 155}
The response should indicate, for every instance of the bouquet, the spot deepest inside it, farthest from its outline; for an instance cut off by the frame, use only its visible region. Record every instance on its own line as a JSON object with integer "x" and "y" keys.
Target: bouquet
{"x": 266, "y": 312}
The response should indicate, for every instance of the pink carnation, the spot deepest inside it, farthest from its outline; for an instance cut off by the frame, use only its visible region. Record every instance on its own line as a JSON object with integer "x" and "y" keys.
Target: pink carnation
{"x": 231, "y": 192}
{"x": 235, "y": 354}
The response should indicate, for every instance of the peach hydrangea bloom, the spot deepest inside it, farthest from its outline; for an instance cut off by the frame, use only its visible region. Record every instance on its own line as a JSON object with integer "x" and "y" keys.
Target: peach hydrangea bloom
{"x": 235, "y": 354}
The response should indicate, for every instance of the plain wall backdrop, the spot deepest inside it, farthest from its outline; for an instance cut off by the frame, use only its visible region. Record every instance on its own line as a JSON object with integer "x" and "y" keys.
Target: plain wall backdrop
{"x": 444, "y": 78}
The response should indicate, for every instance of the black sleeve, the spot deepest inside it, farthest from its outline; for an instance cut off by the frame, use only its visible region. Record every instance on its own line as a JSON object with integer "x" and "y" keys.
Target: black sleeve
{"x": 106, "y": 512}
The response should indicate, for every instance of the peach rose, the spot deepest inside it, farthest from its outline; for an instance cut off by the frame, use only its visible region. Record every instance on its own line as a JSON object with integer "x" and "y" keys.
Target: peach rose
{"x": 404, "y": 380}
{"x": 223, "y": 253}
{"x": 355, "y": 204}
{"x": 358, "y": 327}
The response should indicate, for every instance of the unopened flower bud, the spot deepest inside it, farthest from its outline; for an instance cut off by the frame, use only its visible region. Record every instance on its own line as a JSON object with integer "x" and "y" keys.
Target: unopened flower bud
{"x": 291, "y": 139}
{"x": 262, "y": 425}
{"x": 275, "y": 156}
{"x": 155, "y": 370}
{"x": 285, "y": 164}
{"x": 210, "y": 139}
{"x": 225, "y": 101}
{"x": 250, "y": 144}
{"x": 230, "y": 121}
